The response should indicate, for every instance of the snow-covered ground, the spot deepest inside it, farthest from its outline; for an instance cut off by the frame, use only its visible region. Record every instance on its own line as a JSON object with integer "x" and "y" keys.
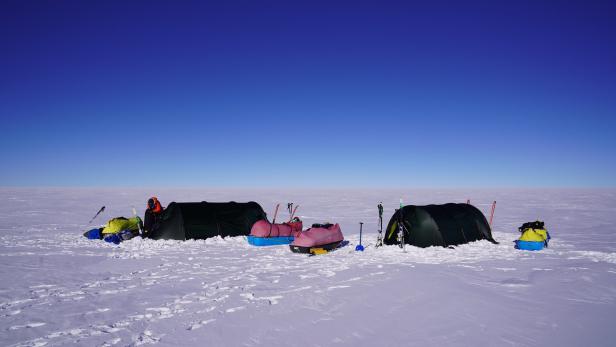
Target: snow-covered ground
{"x": 58, "y": 288}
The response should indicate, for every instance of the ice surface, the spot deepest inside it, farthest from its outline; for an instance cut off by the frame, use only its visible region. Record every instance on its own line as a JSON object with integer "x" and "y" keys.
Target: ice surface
{"x": 58, "y": 288}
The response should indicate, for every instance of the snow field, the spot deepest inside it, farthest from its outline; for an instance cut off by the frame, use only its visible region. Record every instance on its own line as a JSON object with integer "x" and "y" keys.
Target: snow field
{"x": 58, "y": 288}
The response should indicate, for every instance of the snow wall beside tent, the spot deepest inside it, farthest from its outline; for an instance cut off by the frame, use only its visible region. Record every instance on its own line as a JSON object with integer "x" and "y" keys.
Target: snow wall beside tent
{"x": 201, "y": 220}
{"x": 439, "y": 225}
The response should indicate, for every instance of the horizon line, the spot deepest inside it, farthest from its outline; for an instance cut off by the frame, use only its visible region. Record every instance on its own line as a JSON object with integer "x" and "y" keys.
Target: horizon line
{"x": 299, "y": 187}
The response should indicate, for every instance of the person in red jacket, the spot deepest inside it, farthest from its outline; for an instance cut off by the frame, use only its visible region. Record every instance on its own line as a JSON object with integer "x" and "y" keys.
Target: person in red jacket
{"x": 152, "y": 216}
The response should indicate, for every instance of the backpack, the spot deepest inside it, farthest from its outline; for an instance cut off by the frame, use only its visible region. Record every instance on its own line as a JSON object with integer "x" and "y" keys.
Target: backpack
{"x": 532, "y": 225}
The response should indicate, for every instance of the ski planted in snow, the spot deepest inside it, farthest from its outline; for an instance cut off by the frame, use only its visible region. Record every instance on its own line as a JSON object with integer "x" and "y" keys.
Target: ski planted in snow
{"x": 292, "y": 212}
{"x": 401, "y": 228}
{"x": 290, "y": 209}
{"x": 379, "y": 239}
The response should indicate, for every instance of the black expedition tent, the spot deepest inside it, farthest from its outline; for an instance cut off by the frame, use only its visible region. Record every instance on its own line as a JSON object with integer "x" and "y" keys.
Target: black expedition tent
{"x": 439, "y": 225}
{"x": 201, "y": 220}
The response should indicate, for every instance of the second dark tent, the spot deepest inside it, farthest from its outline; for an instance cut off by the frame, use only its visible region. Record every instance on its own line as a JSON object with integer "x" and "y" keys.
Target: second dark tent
{"x": 439, "y": 225}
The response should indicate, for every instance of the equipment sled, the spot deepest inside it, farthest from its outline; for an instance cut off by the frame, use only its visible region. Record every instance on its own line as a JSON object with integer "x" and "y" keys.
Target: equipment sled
{"x": 315, "y": 250}
{"x": 264, "y": 233}
{"x": 270, "y": 241}
{"x": 529, "y": 245}
{"x": 319, "y": 239}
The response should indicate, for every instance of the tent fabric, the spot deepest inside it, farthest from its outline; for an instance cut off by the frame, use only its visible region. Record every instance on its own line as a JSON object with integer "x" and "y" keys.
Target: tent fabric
{"x": 439, "y": 225}
{"x": 202, "y": 220}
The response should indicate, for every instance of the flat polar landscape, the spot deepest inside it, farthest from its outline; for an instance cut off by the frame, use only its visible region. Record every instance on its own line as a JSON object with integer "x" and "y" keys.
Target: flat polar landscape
{"x": 58, "y": 288}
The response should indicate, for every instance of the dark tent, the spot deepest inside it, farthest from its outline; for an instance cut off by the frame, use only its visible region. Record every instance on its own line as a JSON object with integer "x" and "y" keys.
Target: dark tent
{"x": 439, "y": 225}
{"x": 201, "y": 220}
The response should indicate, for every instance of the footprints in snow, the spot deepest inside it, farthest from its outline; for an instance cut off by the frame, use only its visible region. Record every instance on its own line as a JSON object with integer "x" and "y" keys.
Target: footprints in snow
{"x": 29, "y": 325}
{"x": 230, "y": 291}
{"x": 271, "y": 300}
{"x": 198, "y": 325}
{"x": 235, "y": 309}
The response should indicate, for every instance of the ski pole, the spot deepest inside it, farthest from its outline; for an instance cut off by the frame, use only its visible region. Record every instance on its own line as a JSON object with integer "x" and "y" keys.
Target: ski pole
{"x": 293, "y": 214}
{"x": 290, "y": 209}
{"x": 96, "y": 215}
{"x": 360, "y": 248}
{"x": 273, "y": 221}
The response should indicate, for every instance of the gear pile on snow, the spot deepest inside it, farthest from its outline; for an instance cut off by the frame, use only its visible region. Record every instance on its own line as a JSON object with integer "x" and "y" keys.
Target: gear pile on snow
{"x": 534, "y": 236}
{"x": 116, "y": 230}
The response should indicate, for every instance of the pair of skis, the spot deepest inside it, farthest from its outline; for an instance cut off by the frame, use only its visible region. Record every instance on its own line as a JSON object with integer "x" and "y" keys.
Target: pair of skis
{"x": 401, "y": 228}
{"x": 291, "y": 210}
{"x": 401, "y": 231}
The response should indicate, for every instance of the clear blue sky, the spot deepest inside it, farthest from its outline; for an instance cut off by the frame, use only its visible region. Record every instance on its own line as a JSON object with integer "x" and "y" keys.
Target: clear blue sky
{"x": 356, "y": 93}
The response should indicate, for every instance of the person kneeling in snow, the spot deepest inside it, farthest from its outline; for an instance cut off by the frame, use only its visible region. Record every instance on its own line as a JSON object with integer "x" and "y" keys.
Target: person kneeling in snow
{"x": 152, "y": 215}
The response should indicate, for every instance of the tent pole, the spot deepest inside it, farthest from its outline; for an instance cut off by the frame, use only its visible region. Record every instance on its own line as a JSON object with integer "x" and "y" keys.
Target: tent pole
{"x": 492, "y": 213}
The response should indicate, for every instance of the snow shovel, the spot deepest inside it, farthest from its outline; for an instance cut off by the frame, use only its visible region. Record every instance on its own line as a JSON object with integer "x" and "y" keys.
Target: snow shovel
{"x": 360, "y": 248}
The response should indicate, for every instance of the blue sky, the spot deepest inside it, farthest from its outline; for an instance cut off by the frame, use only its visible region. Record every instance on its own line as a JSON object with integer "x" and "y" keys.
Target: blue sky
{"x": 259, "y": 93}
